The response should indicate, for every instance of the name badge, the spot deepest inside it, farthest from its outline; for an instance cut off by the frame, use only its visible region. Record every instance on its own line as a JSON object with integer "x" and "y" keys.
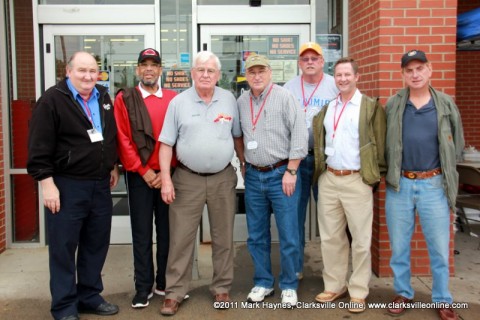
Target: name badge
{"x": 329, "y": 151}
{"x": 252, "y": 145}
{"x": 95, "y": 136}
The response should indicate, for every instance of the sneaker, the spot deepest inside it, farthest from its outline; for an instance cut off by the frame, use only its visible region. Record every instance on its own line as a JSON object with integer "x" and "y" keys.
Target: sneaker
{"x": 289, "y": 298}
{"x": 141, "y": 299}
{"x": 160, "y": 292}
{"x": 258, "y": 294}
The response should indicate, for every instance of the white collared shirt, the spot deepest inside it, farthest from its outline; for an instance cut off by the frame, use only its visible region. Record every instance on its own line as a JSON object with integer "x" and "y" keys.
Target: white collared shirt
{"x": 145, "y": 93}
{"x": 345, "y": 144}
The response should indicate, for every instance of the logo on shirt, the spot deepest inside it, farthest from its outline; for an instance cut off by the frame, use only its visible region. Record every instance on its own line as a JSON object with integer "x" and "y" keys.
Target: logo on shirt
{"x": 223, "y": 118}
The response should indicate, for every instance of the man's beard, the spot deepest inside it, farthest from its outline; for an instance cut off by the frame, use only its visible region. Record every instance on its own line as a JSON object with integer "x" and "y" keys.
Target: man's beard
{"x": 149, "y": 83}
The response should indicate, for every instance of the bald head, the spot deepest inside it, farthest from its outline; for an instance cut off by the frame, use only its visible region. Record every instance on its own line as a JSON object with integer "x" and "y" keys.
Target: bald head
{"x": 82, "y": 70}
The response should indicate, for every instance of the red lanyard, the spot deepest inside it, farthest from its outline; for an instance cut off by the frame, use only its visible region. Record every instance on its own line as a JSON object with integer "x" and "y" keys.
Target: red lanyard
{"x": 306, "y": 102}
{"x": 255, "y": 119}
{"x": 89, "y": 113}
{"x": 335, "y": 122}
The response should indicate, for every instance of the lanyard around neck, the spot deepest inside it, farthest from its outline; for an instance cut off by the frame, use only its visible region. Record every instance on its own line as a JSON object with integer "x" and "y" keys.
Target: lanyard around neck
{"x": 255, "y": 118}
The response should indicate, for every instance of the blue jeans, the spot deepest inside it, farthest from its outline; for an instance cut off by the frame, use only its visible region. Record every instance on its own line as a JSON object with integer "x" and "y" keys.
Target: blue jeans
{"x": 306, "y": 173}
{"x": 427, "y": 197}
{"x": 263, "y": 190}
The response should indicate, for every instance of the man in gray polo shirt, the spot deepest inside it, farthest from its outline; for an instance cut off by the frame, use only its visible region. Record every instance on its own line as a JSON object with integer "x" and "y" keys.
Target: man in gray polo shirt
{"x": 202, "y": 123}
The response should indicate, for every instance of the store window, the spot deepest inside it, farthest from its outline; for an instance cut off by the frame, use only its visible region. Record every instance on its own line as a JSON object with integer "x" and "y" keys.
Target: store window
{"x": 176, "y": 44}
{"x": 248, "y": 2}
{"x": 106, "y": 2}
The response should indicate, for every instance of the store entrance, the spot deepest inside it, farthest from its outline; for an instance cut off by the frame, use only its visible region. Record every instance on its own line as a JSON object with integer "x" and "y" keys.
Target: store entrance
{"x": 232, "y": 44}
{"x": 116, "y": 49}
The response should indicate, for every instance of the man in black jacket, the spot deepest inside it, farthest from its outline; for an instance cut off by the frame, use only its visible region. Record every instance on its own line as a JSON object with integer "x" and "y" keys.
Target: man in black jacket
{"x": 72, "y": 152}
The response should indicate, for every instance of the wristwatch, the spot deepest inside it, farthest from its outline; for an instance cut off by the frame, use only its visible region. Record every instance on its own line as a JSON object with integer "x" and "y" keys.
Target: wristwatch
{"x": 293, "y": 172}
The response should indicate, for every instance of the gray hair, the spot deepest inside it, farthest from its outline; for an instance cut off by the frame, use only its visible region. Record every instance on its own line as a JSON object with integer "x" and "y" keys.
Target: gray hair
{"x": 204, "y": 56}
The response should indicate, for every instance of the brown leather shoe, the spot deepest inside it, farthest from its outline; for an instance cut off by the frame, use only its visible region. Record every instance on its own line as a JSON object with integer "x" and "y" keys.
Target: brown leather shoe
{"x": 447, "y": 314}
{"x": 398, "y": 305}
{"x": 170, "y": 307}
{"x": 222, "y": 297}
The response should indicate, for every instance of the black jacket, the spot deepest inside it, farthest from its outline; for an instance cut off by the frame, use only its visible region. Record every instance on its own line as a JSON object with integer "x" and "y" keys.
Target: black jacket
{"x": 58, "y": 141}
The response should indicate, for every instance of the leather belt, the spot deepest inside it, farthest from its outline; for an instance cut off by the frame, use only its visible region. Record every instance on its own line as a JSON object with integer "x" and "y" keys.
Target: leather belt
{"x": 184, "y": 167}
{"x": 342, "y": 172}
{"x": 270, "y": 167}
{"x": 421, "y": 174}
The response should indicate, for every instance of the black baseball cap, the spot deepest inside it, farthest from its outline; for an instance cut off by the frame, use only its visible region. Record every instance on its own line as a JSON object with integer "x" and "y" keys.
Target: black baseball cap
{"x": 149, "y": 53}
{"x": 413, "y": 55}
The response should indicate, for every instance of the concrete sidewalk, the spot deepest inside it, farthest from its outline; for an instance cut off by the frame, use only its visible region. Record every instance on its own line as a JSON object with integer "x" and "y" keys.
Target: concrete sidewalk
{"x": 24, "y": 288}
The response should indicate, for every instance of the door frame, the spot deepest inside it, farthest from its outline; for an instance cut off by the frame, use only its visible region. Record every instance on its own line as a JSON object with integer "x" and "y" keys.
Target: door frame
{"x": 206, "y": 32}
{"x": 121, "y": 229}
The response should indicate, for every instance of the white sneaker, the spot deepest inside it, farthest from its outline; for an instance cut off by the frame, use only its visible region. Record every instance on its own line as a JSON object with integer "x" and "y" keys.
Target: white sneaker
{"x": 258, "y": 294}
{"x": 289, "y": 297}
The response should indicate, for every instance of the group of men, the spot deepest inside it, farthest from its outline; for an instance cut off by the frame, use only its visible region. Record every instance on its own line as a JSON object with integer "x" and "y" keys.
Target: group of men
{"x": 317, "y": 133}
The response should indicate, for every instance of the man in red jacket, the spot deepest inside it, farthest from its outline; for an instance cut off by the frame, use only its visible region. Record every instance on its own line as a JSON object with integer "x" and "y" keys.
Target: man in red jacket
{"x": 139, "y": 113}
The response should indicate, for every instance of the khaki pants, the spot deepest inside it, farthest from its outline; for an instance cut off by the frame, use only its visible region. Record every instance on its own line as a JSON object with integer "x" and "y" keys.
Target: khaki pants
{"x": 342, "y": 200}
{"x": 191, "y": 193}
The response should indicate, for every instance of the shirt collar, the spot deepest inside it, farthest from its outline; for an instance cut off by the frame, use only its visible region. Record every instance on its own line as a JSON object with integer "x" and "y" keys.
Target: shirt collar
{"x": 355, "y": 100}
{"x": 95, "y": 94}
{"x": 145, "y": 93}
{"x": 264, "y": 92}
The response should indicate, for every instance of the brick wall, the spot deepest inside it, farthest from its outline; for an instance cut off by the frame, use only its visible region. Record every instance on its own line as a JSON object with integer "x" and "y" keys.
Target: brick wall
{"x": 468, "y": 89}
{"x": 379, "y": 33}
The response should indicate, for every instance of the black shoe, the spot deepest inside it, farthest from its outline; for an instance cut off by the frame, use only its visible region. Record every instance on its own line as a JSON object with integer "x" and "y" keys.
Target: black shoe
{"x": 71, "y": 317}
{"x": 104, "y": 309}
{"x": 141, "y": 299}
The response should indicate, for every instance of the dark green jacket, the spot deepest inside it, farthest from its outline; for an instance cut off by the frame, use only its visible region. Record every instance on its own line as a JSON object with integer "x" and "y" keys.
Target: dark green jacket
{"x": 450, "y": 139}
{"x": 372, "y": 127}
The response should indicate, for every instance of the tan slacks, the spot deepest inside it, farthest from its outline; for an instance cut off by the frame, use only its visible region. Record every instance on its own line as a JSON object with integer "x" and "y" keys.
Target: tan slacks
{"x": 191, "y": 193}
{"x": 345, "y": 200}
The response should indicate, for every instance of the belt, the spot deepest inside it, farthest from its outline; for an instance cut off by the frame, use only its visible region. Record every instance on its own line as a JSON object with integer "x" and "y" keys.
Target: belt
{"x": 184, "y": 167}
{"x": 270, "y": 167}
{"x": 342, "y": 172}
{"x": 421, "y": 174}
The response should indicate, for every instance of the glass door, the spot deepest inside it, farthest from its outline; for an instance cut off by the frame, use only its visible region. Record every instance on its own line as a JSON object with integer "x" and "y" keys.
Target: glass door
{"x": 116, "y": 50}
{"x": 232, "y": 44}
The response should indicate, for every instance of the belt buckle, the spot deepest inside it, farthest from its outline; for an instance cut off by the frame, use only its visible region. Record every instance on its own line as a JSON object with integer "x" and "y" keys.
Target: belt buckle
{"x": 411, "y": 175}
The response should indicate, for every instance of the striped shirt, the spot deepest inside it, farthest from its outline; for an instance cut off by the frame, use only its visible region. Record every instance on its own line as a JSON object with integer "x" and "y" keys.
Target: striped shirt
{"x": 280, "y": 132}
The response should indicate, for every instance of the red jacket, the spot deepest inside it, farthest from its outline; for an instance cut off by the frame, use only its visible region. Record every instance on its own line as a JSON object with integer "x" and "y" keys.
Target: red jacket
{"x": 127, "y": 150}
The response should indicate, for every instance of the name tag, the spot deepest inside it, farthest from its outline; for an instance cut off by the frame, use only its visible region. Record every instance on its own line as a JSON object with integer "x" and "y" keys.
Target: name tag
{"x": 252, "y": 145}
{"x": 95, "y": 136}
{"x": 329, "y": 151}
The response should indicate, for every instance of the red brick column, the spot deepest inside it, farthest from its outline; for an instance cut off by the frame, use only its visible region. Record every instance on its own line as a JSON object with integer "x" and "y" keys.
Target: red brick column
{"x": 379, "y": 33}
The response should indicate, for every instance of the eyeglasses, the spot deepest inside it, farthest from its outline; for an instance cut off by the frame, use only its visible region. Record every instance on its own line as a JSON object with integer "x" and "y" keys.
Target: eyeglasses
{"x": 210, "y": 71}
{"x": 253, "y": 74}
{"x": 306, "y": 59}
{"x": 152, "y": 65}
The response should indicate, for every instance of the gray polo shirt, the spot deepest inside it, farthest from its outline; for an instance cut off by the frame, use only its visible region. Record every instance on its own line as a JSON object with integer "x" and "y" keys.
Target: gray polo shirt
{"x": 202, "y": 134}
{"x": 315, "y": 99}
{"x": 281, "y": 131}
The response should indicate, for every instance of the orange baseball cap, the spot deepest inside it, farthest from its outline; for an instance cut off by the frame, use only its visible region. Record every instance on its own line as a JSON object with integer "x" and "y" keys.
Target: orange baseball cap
{"x": 311, "y": 46}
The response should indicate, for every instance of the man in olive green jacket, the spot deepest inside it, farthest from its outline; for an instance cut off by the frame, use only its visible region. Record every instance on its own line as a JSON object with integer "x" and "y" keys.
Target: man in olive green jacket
{"x": 424, "y": 140}
{"x": 349, "y": 140}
